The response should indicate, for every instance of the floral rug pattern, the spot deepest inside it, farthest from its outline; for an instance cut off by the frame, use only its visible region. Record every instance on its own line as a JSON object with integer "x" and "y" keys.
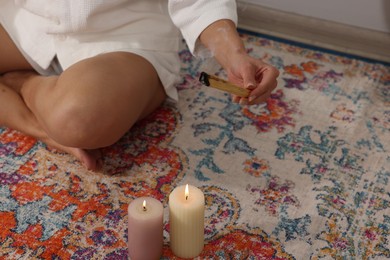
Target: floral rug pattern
{"x": 304, "y": 176}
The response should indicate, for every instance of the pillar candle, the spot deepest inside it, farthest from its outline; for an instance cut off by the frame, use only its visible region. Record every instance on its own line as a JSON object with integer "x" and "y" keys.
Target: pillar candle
{"x": 145, "y": 229}
{"x": 186, "y": 220}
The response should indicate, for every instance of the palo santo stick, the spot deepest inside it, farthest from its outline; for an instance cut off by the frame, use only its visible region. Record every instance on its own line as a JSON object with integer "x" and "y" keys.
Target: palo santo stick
{"x": 215, "y": 82}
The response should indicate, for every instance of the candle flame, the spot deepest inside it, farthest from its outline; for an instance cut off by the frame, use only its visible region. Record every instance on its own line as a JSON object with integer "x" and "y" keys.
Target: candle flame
{"x": 186, "y": 192}
{"x": 144, "y": 205}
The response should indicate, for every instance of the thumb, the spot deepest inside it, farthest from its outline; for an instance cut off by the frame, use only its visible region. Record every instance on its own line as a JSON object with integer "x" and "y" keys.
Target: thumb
{"x": 249, "y": 79}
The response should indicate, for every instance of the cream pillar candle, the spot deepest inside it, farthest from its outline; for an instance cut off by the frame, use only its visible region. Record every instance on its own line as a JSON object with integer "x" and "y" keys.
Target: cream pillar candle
{"x": 145, "y": 229}
{"x": 186, "y": 220}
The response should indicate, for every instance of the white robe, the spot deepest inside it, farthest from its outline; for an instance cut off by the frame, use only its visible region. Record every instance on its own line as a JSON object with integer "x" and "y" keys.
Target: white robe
{"x": 72, "y": 30}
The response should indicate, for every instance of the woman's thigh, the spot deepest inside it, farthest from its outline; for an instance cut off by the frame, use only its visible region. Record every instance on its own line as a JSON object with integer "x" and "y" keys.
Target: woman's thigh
{"x": 11, "y": 58}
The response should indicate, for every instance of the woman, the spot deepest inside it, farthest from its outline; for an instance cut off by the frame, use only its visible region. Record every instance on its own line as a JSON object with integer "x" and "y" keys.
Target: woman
{"x": 77, "y": 74}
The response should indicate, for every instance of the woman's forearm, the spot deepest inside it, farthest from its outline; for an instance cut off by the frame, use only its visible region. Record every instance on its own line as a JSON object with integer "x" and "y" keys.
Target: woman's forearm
{"x": 222, "y": 39}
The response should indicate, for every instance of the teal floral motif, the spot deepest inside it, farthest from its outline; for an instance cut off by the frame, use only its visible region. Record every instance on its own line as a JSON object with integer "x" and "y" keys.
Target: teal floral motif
{"x": 225, "y": 137}
{"x": 383, "y": 177}
{"x": 342, "y": 208}
{"x": 341, "y": 202}
{"x": 340, "y": 245}
{"x": 322, "y": 158}
{"x": 350, "y": 165}
{"x": 223, "y": 134}
{"x": 302, "y": 144}
{"x": 380, "y": 199}
{"x": 334, "y": 202}
{"x": 372, "y": 141}
{"x": 7, "y": 203}
{"x": 293, "y": 228}
{"x": 316, "y": 170}
{"x": 374, "y": 236}
{"x": 31, "y": 214}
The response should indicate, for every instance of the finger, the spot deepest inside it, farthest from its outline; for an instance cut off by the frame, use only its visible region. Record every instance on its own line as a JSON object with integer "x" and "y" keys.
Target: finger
{"x": 262, "y": 99}
{"x": 249, "y": 79}
{"x": 243, "y": 101}
{"x": 268, "y": 80}
{"x": 235, "y": 98}
{"x": 253, "y": 97}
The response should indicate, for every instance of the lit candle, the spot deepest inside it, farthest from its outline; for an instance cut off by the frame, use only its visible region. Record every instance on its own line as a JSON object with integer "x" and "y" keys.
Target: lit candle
{"x": 145, "y": 229}
{"x": 186, "y": 220}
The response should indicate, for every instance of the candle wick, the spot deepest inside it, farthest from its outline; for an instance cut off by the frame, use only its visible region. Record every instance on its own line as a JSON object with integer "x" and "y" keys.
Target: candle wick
{"x": 187, "y": 197}
{"x": 144, "y": 208}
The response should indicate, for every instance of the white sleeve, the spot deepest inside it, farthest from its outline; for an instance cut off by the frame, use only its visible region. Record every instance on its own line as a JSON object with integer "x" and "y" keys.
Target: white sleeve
{"x": 193, "y": 16}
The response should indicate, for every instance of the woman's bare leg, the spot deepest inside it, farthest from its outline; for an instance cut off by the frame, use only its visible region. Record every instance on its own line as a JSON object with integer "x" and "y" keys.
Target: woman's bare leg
{"x": 96, "y": 101}
{"x": 91, "y": 105}
{"x": 15, "y": 114}
{"x": 13, "y": 111}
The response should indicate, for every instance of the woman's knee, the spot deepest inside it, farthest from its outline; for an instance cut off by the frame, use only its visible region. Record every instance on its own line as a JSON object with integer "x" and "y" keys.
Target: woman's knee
{"x": 101, "y": 98}
{"x": 74, "y": 125}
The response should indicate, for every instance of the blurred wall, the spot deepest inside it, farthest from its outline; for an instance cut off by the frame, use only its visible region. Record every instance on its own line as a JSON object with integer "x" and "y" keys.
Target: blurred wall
{"x": 369, "y": 14}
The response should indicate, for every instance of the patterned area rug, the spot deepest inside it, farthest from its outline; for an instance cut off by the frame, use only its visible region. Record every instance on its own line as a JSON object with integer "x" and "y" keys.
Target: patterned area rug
{"x": 307, "y": 176}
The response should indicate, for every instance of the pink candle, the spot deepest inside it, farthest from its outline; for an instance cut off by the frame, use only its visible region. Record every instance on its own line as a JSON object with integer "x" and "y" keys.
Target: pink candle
{"x": 145, "y": 229}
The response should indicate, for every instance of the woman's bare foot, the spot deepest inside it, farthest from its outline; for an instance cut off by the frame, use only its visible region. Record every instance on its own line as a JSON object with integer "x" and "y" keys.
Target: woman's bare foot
{"x": 91, "y": 159}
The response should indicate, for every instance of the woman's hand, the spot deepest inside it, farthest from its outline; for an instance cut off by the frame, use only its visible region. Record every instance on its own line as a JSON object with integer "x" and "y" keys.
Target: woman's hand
{"x": 252, "y": 74}
{"x": 224, "y": 42}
